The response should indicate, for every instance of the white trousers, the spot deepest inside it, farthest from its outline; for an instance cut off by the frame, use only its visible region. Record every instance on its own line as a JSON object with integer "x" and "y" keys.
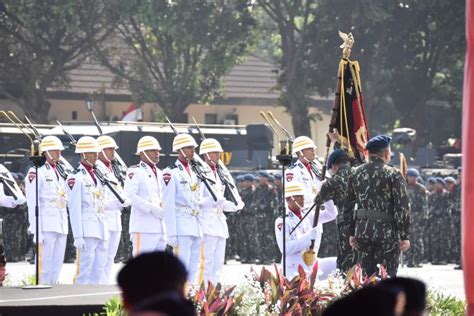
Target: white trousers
{"x": 112, "y": 247}
{"x": 189, "y": 252}
{"x": 91, "y": 262}
{"x": 51, "y": 256}
{"x": 326, "y": 267}
{"x": 214, "y": 256}
{"x": 147, "y": 242}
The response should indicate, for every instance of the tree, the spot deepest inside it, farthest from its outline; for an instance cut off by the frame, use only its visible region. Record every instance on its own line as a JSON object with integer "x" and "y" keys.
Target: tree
{"x": 41, "y": 42}
{"x": 178, "y": 50}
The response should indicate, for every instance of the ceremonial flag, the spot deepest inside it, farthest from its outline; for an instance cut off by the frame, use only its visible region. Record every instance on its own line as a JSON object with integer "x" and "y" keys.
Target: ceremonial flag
{"x": 350, "y": 119}
{"x": 467, "y": 219}
{"x": 133, "y": 114}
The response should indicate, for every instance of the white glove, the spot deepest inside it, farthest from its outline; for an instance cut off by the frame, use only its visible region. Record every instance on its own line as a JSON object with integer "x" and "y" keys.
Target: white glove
{"x": 221, "y": 203}
{"x": 315, "y": 232}
{"x": 21, "y": 200}
{"x": 126, "y": 202}
{"x": 80, "y": 243}
{"x": 173, "y": 241}
{"x": 157, "y": 212}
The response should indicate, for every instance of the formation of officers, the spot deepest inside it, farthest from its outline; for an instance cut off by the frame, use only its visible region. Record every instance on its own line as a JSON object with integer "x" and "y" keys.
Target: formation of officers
{"x": 376, "y": 213}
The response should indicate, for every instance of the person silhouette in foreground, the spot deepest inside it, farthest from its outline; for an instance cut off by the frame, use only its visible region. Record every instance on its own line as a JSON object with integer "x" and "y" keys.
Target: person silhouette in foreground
{"x": 154, "y": 284}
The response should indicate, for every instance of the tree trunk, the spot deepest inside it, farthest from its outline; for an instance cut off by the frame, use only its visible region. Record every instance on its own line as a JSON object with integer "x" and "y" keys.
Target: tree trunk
{"x": 300, "y": 120}
{"x": 36, "y": 106}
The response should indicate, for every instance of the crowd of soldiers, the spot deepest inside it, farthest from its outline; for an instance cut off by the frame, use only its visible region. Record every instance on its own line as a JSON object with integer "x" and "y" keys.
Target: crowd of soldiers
{"x": 84, "y": 213}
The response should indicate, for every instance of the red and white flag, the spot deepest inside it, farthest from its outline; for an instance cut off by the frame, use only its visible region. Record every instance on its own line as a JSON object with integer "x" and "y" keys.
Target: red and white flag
{"x": 133, "y": 114}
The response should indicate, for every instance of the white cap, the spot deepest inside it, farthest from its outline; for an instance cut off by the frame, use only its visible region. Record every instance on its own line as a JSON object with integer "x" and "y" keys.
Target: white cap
{"x": 106, "y": 141}
{"x": 302, "y": 142}
{"x": 210, "y": 145}
{"x": 183, "y": 140}
{"x": 51, "y": 143}
{"x": 294, "y": 189}
{"x": 147, "y": 143}
{"x": 87, "y": 144}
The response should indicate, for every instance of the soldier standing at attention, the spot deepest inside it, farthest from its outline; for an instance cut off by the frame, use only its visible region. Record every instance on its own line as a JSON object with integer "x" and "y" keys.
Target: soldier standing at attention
{"x": 418, "y": 217}
{"x": 87, "y": 209}
{"x": 381, "y": 225}
{"x": 214, "y": 221}
{"x": 53, "y": 218}
{"x": 181, "y": 197}
{"x": 107, "y": 146}
{"x": 335, "y": 189}
{"x": 245, "y": 223}
{"x": 438, "y": 203}
{"x": 143, "y": 186}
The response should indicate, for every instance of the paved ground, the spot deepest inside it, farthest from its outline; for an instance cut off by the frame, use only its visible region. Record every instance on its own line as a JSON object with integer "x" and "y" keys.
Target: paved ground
{"x": 442, "y": 278}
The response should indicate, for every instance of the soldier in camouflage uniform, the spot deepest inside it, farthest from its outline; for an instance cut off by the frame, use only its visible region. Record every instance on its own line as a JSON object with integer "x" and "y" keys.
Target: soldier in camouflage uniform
{"x": 451, "y": 189}
{"x": 231, "y": 244}
{"x": 124, "y": 252}
{"x": 438, "y": 204}
{"x": 263, "y": 209}
{"x": 380, "y": 226}
{"x": 426, "y": 228}
{"x": 456, "y": 223}
{"x": 245, "y": 222}
{"x": 278, "y": 192}
{"x": 335, "y": 189}
{"x": 418, "y": 217}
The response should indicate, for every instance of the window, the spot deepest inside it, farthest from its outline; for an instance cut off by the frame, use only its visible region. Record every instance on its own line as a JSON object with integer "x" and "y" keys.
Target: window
{"x": 74, "y": 115}
{"x": 210, "y": 118}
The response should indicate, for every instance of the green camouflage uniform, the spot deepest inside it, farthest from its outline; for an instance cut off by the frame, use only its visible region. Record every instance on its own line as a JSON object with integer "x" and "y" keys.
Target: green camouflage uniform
{"x": 245, "y": 228}
{"x": 335, "y": 189}
{"x": 15, "y": 227}
{"x": 438, "y": 204}
{"x": 418, "y": 217}
{"x": 383, "y": 215}
{"x": 263, "y": 208}
{"x": 456, "y": 224}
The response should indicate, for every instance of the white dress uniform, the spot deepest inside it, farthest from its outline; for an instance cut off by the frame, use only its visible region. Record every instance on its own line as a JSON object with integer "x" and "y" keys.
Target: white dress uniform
{"x": 6, "y": 200}
{"x": 143, "y": 188}
{"x": 113, "y": 218}
{"x": 87, "y": 208}
{"x": 181, "y": 197}
{"x": 215, "y": 228}
{"x": 53, "y": 219}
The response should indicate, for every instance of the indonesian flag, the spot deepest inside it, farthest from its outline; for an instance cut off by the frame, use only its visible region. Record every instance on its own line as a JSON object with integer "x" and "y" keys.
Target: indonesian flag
{"x": 349, "y": 118}
{"x": 467, "y": 215}
{"x": 133, "y": 114}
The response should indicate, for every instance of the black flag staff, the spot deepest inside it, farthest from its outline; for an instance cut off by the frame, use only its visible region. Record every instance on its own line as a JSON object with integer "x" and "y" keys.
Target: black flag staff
{"x": 284, "y": 158}
{"x": 38, "y": 160}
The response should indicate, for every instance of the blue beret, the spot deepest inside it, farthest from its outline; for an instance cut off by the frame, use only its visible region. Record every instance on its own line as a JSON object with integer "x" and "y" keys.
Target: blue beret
{"x": 271, "y": 178}
{"x": 378, "y": 142}
{"x": 278, "y": 176}
{"x": 450, "y": 179}
{"x": 264, "y": 174}
{"x": 440, "y": 180}
{"x": 240, "y": 178}
{"x": 413, "y": 173}
{"x": 335, "y": 155}
{"x": 431, "y": 180}
{"x": 249, "y": 177}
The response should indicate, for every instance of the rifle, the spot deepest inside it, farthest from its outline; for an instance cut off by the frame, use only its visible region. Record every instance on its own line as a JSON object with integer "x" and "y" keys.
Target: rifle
{"x": 103, "y": 179}
{"x": 197, "y": 167}
{"x": 63, "y": 166}
{"x": 9, "y": 186}
{"x": 118, "y": 165}
{"x": 229, "y": 186}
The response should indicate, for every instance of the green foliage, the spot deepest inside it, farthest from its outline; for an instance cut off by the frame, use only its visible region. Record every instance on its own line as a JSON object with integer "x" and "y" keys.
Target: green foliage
{"x": 113, "y": 307}
{"x": 180, "y": 49}
{"x": 442, "y": 305}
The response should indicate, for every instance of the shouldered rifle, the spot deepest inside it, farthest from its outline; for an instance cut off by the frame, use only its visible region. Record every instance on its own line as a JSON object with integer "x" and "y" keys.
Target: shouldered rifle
{"x": 118, "y": 165}
{"x": 228, "y": 185}
{"x": 109, "y": 184}
{"x": 9, "y": 186}
{"x": 198, "y": 168}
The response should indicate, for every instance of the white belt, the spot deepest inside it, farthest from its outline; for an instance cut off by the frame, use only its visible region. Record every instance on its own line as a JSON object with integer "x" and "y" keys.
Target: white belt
{"x": 213, "y": 211}
{"x": 187, "y": 211}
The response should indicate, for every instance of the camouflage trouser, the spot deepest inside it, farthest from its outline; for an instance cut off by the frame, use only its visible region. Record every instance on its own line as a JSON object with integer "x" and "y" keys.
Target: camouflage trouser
{"x": 329, "y": 239}
{"x": 439, "y": 240}
{"x": 15, "y": 226}
{"x": 414, "y": 255}
{"x": 247, "y": 238}
{"x": 346, "y": 257}
{"x": 427, "y": 254}
{"x": 267, "y": 247}
{"x": 373, "y": 253}
{"x": 456, "y": 229}
{"x": 231, "y": 244}
{"x": 124, "y": 252}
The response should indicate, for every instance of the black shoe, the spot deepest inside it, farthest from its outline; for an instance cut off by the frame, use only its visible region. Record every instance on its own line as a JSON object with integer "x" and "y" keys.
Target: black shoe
{"x": 459, "y": 267}
{"x": 410, "y": 265}
{"x": 69, "y": 260}
{"x": 418, "y": 265}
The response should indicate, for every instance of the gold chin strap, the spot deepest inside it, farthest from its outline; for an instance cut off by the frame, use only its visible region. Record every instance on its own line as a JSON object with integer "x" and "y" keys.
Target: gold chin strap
{"x": 87, "y": 161}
